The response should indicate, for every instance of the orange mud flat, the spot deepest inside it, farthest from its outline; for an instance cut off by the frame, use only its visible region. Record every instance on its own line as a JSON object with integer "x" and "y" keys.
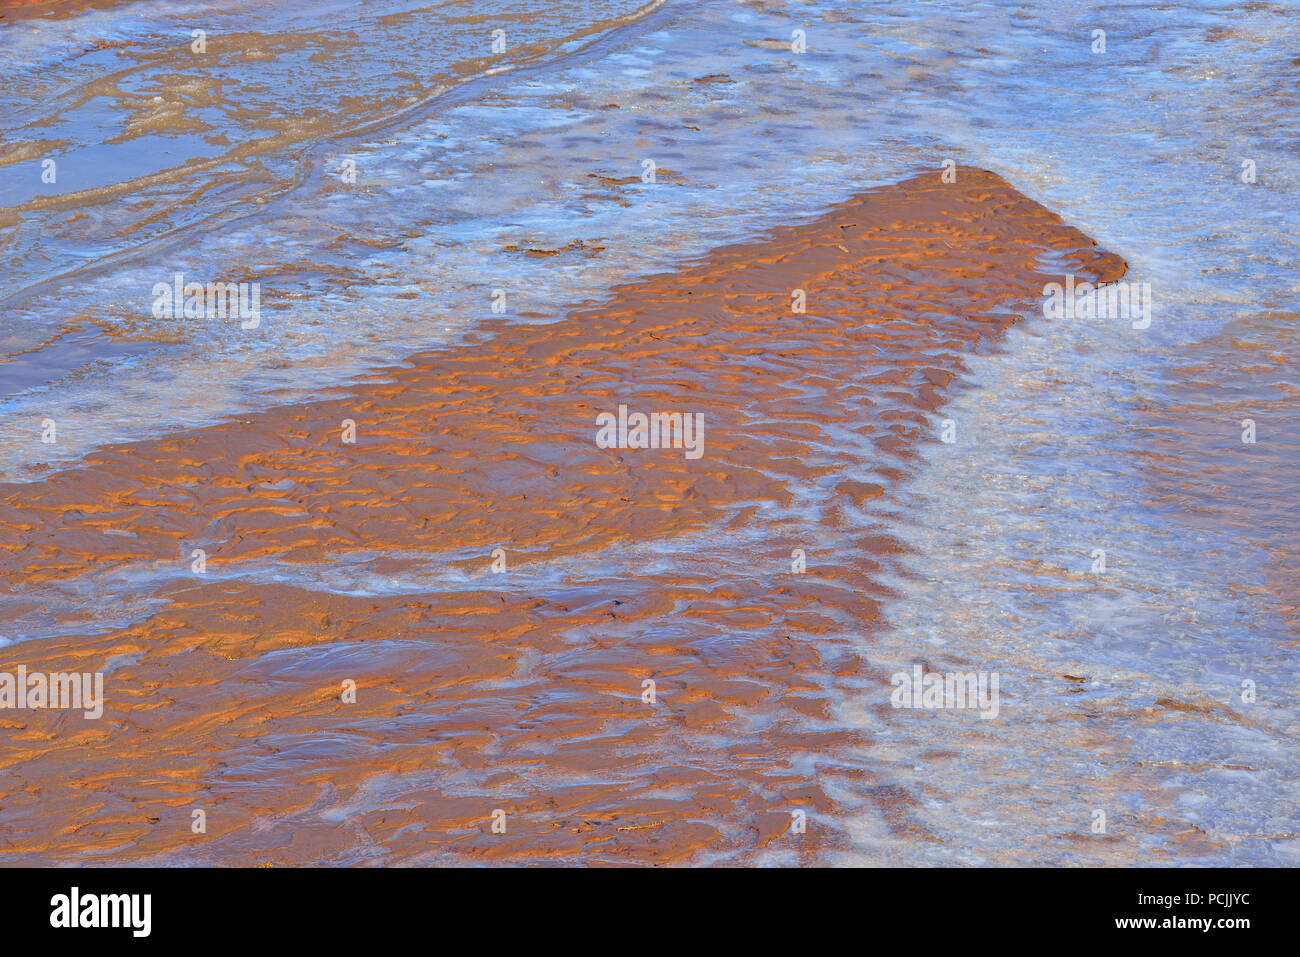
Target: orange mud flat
{"x": 523, "y": 692}
{"x": 24, "y": 9}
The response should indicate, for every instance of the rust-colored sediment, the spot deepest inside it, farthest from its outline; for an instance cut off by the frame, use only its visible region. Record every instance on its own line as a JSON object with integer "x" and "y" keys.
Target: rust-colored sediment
{"x": 522, "y": 692}
{"x": 27, "y": 9}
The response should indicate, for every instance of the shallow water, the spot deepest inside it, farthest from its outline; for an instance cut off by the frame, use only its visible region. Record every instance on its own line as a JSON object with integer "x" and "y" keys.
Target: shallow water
{"x": 1072, "y": 435}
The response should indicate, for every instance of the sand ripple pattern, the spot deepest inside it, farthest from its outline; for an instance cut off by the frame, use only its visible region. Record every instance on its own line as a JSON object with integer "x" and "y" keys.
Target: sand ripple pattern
{"x": 522, "y": 691}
